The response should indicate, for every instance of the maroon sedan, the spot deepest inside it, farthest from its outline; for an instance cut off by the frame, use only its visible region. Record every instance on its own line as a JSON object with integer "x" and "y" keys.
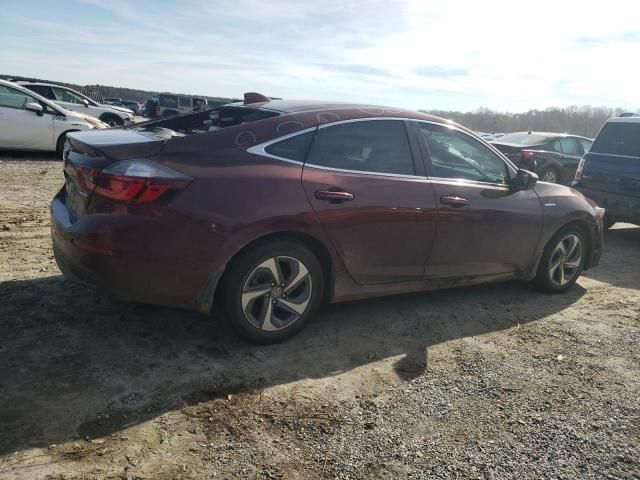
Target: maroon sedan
{"x": 268, "y": 207}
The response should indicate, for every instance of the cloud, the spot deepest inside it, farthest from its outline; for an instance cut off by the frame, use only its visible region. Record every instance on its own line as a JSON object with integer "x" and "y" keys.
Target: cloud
{"x": 440, "y": 71}
{"x": 408, "y": 53}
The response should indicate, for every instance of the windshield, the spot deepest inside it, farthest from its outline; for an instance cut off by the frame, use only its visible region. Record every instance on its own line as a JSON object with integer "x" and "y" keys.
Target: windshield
{"x": 523, "y": 138}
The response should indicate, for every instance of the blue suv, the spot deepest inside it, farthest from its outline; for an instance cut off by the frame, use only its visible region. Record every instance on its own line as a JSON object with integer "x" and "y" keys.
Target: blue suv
{"x": 609, "y": 173}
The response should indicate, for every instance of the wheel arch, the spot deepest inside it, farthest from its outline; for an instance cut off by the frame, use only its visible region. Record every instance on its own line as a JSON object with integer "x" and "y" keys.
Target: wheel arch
{"x": 588, "y": 227}
{"x": 209, "y": 295}
{"x": 63, "y": 134}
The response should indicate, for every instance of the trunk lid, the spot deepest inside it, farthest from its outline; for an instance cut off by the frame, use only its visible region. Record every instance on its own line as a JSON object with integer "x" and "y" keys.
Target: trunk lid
{"x": 90, "y": 151}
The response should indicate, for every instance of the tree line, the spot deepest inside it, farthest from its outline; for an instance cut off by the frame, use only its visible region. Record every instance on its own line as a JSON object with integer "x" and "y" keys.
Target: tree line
{"x": 578, "y": 120}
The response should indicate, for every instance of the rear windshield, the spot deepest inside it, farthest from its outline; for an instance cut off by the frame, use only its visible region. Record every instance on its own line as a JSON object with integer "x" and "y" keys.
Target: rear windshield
{"x": 618, "y": 139}
{"x": 522, "y": 138}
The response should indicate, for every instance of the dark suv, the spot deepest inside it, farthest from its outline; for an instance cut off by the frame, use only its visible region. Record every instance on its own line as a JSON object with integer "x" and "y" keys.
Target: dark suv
{"x": 610, "y": 172}
{"x": 553, "y": 156}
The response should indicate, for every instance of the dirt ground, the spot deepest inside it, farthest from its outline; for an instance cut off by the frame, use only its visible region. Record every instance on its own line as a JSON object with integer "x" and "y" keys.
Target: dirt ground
{"x": 488, "y": 382}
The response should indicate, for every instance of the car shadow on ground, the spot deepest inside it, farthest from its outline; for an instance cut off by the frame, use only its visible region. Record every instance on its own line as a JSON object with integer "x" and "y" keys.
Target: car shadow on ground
{"x": 73, "y": 364}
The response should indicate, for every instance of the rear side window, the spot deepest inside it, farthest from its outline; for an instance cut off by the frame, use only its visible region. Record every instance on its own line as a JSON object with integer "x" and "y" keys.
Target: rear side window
{"x": 570, "y": 146}
{"x": 43, "y": 90}
{"x": 292, "y": 148}
{"x": 376, "y": 146}
{"x": 168, "y": 101}
{"x": 618, "y": 139}
{"x": 586, "y": 145}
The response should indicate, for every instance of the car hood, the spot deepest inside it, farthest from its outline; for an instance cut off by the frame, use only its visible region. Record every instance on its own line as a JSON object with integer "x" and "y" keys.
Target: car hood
{"x": 93, "y": 121}
{"x": 550, "y": 191}
{"x": 119, "y": 109}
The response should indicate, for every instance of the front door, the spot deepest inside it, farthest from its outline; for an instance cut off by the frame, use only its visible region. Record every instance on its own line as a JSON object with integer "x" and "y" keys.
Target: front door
{"x": 483, "y": 227}
{"x": 23, "y": 128}
{"x": 361, "y": 179}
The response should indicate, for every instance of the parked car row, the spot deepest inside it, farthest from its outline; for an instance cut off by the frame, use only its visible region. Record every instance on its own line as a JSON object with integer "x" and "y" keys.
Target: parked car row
{"x": 168, "y": 104}
{"x": 73, "y": 100}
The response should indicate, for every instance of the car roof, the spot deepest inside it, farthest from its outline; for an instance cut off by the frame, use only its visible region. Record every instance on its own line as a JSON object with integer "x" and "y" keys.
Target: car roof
{"x": 624, "y": 120}
{"x": 46, "y": 84}
{"x": 357, "y": 109}
{"x": 548, "y": 135}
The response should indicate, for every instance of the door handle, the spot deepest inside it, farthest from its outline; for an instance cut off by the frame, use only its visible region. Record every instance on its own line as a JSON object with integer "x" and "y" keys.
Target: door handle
{"x": 455, "y": 201}
{"x": 334, "y": 196}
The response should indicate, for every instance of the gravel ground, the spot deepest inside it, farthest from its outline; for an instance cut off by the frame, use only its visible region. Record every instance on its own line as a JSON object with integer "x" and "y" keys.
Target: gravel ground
{"x": 490, "y": 382}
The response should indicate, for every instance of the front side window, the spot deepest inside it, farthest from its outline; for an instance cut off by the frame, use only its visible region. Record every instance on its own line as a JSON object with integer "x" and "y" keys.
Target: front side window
{"x": 376, "y": 146}
{"x": 570, "y": 146}
{"x": 63, "y": 95}
{"x": 458, "y": 156}
{"x": 12, "y": 98}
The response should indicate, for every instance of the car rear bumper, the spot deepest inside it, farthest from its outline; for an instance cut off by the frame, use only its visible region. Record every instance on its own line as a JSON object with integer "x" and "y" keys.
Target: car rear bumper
{"x": 133, "y": 258}
{"x": 620, "y": 207}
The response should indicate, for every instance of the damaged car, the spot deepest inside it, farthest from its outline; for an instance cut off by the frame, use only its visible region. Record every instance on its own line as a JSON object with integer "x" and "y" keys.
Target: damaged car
{"x": 267, "y": 208}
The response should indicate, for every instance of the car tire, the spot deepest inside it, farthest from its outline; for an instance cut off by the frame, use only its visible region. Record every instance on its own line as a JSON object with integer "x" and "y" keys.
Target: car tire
{"x": 112, "y": 120}
{"x": 562, "y": 260}
{"x": 60, "y": 144}
{"x": 550, "y": 175}
{"x": 608, "y": 221}
{"x": 262, "y": 309}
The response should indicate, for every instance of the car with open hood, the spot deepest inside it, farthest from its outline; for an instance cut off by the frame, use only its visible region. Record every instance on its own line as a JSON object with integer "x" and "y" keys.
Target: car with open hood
{"x": 70, "y": 99}
{"x": 30, "y": 122}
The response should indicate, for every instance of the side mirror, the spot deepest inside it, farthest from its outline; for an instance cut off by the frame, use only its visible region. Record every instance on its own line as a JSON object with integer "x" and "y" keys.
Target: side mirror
{"x": 524, "y": 180}
{"x": 86, "y": 102}
{"x": 34, "y": 107}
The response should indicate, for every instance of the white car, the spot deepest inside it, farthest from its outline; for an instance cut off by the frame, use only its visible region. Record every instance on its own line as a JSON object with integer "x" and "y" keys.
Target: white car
{"x": 73, "y": 100}
{"x": 29, "y": 121}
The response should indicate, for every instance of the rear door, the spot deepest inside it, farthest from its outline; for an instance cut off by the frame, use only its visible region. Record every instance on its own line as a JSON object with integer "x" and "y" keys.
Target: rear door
{"x": 571, "y": 155}
{"x": 23, "y": 128}
{"x": 371, "y": 197}
{"x": 483, "y": 227}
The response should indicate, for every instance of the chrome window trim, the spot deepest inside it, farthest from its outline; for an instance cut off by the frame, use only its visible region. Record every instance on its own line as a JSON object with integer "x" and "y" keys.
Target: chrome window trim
{"x": 364, "y": 172}
{"x": 260, "y": 148}
{"x": 512, "y": 169}
{"x": 363, "y": 119}
{"x": 466, "y": 182}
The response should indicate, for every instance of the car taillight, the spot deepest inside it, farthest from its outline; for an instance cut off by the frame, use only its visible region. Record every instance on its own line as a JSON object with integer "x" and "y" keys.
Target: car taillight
{"x": 135, "y": 181}
{"x": 524, "y": 155}
{"x": 579, "y": 170}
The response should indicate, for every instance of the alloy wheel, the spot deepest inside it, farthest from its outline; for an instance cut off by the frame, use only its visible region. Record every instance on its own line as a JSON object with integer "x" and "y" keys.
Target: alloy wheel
{"x": 565, "y": 260}
{"x": 276, "y": 293}
{"x": 550, "y": 176}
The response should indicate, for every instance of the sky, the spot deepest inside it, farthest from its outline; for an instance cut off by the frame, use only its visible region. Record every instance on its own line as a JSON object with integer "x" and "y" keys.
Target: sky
{"x": 419, "y": 54}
